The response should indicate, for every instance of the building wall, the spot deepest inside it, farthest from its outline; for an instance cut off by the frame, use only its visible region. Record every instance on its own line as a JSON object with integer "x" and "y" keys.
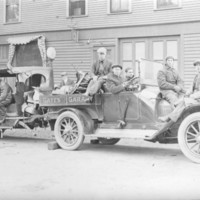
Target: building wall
{"x": 50, "y": 15}
{"x": 100, "y": 29}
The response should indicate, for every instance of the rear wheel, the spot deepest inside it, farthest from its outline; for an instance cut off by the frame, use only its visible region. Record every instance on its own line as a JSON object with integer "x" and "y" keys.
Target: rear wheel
{"x": 69, "y": 130}
{"x": 189, "y": 137}
{"x": 109, "y": 141}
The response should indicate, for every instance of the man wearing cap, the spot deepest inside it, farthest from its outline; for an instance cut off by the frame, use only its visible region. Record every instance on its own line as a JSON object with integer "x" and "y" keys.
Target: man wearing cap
{"x": 99, "y": 72}
{"x": 115, "y": 82}
{"x": 194, "y": 97}
{"x": 170, "y": 83}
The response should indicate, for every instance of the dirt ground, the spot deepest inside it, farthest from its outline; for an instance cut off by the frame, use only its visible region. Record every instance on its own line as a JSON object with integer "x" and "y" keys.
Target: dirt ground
{"x": 132, "y": 169}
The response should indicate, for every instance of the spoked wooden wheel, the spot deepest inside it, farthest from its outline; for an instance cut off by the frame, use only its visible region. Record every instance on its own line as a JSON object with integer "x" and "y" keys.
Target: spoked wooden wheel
{"x": 189, "y": 137}
{"x": 69, "y": 130}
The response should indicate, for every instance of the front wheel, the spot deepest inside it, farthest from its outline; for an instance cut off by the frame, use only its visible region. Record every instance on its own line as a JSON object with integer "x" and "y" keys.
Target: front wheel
{"x": 189, "y": 137}
{"x": 69, "y": 130}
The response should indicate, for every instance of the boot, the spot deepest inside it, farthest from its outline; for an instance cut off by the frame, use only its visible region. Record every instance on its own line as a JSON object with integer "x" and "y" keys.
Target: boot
{"x": 164, "y": 128}
{"x": 121, "y": 124}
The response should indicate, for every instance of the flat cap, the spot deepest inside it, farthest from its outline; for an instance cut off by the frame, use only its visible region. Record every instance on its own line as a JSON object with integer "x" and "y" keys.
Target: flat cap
{"x": 119, "y": 66}
{"x": 169, "y": 57}
{"x": 64, "y": 74}
{"x": 196, "y": 62}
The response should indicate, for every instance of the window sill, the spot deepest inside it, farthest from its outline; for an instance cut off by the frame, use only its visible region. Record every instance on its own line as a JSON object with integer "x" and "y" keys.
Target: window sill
{"x": 119, "y": 13}
{"x": 8, "y": 23}
{"x": 171, "y": 8}
{"x": 76, "y": 16}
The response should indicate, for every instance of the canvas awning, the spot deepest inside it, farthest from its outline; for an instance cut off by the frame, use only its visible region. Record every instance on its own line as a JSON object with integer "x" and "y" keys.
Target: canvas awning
{"x": 23, "y": 40}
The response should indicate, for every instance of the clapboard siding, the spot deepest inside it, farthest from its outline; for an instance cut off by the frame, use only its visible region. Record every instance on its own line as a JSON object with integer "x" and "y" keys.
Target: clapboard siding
{"x": 69, "y": 53}
{"x": 191, "y": 53}
{"x": 49, "y": 15}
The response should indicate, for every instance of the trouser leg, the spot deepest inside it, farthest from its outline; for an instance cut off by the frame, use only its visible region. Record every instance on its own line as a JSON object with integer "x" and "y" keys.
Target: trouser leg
{"x": 175, "y": 114}
{"x": 95, "y": 87}
{"x": 172, "y": 97}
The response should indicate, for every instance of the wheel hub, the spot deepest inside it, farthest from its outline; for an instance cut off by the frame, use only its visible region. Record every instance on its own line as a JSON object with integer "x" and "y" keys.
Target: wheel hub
{"x": 68, "y": 130}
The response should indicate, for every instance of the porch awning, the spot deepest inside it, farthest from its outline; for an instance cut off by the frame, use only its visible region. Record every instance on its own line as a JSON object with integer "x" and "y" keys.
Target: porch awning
{"x": 23, "y": 40}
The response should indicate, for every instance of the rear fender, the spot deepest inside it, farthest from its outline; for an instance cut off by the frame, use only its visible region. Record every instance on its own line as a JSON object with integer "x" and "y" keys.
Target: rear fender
{"x": 84, "y": 115}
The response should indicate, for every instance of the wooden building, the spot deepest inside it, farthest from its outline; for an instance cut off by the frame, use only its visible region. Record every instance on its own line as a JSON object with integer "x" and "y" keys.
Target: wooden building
{"x": 129, "y": 29}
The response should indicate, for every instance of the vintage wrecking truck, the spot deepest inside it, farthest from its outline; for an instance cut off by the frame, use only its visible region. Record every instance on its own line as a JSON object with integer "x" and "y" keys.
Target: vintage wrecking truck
{"x": 74, "y": 116}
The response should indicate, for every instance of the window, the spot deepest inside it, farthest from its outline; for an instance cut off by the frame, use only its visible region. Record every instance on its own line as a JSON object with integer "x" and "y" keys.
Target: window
{"x": 153, "y": 51}
{"x": 28, "y": 55}
{"x": 77, "y": 8}
{"x": 3, "y": 55}
{"x": 167, "y": 4}
{"x": 119, "y": 6}
{"x": 12, "y": 11}
{"x": 3, "y": 52}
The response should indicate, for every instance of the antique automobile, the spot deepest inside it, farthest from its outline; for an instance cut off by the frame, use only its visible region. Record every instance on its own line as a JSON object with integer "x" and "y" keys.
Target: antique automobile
{"x": 74, "y": 116}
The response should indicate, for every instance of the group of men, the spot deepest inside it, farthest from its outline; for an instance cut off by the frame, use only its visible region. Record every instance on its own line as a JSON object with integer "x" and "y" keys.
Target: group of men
{"x": 108, "y": 77}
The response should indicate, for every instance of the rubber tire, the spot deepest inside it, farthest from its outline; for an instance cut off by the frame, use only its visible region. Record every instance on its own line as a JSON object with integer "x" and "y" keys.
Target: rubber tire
{"x": 110, "y": 141}
{"x": 181, "y": 137}
{"x": 80, "y": 124}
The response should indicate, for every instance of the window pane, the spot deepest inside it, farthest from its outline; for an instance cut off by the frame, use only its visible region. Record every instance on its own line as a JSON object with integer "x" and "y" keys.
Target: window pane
{"x": 119, "y": 6}
{"x": 167, "y": 3}
{"x": 139, "y": 53}
{"x": 127, "y": 51}
{"x": 157, "y": 50}
{"x": 172, "y": 49}
{"x": 12, "y": 10}
{"x": 76, "y": 7}
{"x": 28, "y": 55}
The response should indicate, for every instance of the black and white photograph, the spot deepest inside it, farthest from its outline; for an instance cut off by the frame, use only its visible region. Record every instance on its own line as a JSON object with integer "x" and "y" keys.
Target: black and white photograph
{"x": 99, "y": 99}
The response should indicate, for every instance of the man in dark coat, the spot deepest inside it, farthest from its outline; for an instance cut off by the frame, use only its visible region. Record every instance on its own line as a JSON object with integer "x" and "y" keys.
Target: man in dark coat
{"x": 5, "y": 98}
{"x": 116, "y": 84}
{"x": 99, "y": 72}
{"x": 170, "y": 83}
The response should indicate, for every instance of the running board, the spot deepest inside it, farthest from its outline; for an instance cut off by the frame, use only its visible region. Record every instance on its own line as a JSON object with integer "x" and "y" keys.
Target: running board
{"x": 122, "y": 133}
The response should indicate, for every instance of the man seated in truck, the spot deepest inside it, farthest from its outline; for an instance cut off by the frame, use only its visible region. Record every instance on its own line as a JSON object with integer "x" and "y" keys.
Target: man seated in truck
{"x": 99, "y": 72}
{"x": 116, "y": 84}
{"x": 134, "y": 81}
{"x": 5, "y": 98}
{"x": 170, "y": 83}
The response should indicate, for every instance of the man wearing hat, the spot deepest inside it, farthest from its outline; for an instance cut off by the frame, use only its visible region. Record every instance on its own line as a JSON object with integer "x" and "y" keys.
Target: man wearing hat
{"x": 65, "y": 80}
{"x": 99, "y": 72}
{"x": 170, "y": 83}
{"x": 115, "y": 82}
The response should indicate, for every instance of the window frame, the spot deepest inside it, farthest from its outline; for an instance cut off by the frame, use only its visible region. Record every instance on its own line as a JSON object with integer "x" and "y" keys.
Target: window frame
{"x": 120, "y": 12}
{"x": 4, "y": 13}
{"x": 168, "y": 7}
{"x": 75, "y": 16}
